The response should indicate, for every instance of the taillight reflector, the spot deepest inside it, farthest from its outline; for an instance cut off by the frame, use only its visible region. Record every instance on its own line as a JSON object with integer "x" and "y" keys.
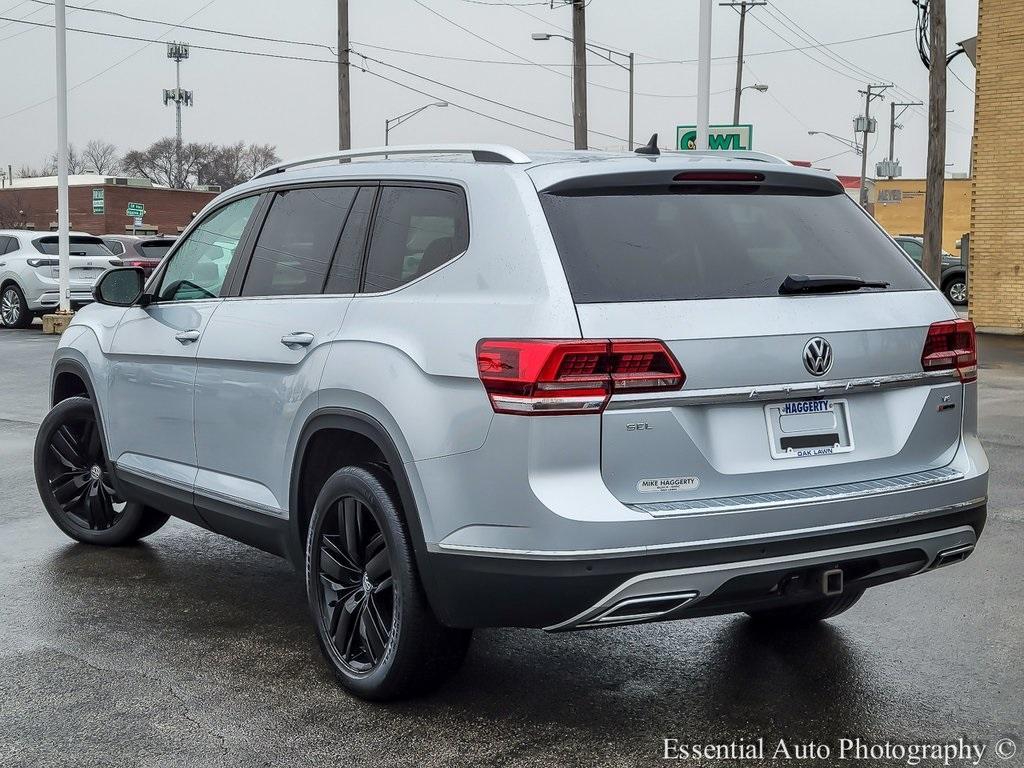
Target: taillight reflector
{"x": 558, "y": 376}
{"x": 951, "y": 345}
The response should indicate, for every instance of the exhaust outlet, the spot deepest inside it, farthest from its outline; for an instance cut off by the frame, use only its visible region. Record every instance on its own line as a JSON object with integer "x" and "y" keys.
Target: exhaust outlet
{"x": 639, "y": 609}
{"x": 953, "y": 555}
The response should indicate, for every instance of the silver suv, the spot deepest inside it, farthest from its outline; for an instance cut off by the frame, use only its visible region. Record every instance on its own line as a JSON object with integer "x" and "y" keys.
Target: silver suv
{"x": 463, "y": 387}
{"x": 28, "y": 273}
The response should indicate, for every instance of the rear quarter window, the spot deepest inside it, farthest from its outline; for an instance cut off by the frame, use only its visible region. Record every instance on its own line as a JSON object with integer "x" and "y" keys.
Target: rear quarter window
{"x": 666, "y": 244}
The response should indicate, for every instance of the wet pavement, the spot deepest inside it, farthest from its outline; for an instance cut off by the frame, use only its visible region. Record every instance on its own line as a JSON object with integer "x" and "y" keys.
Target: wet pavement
{"x": 193, "y": 650}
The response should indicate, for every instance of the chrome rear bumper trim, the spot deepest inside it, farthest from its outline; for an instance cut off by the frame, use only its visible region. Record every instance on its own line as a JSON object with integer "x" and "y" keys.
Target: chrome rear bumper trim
{"x": 829, "y": 493}
{"x": 778, "y": 391}
{"x": 651, "y": 549}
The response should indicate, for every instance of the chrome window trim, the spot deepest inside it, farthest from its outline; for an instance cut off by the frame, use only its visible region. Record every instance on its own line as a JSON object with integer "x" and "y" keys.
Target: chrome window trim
{"x": 778, "y": 391}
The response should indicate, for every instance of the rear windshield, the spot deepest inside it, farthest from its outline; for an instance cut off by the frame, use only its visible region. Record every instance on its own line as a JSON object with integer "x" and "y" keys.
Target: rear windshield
{"x": 80, "y": 246}
{"x": 666, "y": 245}
{"x": 156, "y": 249}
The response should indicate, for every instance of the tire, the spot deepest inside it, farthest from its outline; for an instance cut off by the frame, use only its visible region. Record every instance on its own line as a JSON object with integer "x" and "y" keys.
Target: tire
{"x": 808, "y": 613}
{"x": 14, "y": 312}
{"x": 373, "y": 622}
{"x": 73, "y": 477}
{"x": 956, "y": 291}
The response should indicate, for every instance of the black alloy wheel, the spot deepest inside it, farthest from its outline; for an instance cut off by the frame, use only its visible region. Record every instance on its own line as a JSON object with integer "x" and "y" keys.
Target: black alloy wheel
{"x": 373, "y": 620}
{"x": 79, "y": 477}
{"x": 75, "y": 481}
{"x": 357, "y": 592}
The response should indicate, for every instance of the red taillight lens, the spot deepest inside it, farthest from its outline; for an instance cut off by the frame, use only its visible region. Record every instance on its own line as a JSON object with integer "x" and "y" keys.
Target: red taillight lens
{"x": 950, "y": 345}
{"x": 557, "y": 376}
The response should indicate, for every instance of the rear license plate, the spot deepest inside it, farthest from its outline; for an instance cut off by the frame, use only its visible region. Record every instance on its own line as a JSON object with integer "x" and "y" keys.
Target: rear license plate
{"x": 801, "y": 428}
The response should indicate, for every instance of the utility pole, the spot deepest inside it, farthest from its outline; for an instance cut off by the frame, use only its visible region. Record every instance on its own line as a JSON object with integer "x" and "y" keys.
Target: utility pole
{"x": 178, "y": 52}
{"x": 344, "y": 95}
{"x": 703, "y": 74}
{"x": 936, "y": 164}
{"x": 744, "y": 6}
{"x": 579, "y": 73}
{"x": 867, "y": 125}
{"x": 892, "y": 169}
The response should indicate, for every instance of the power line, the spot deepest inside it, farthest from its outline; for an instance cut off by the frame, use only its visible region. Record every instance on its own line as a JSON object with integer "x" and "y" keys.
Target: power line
{"x": 502, "y": 48}
{"x": 228, "y": 33}
{"x": 150, "y": 40}
{"x": 466, "y": 109}
{"x": 478, "y": 96}
{"x": 107, "y": 69}
{"x": 524, "y": 62}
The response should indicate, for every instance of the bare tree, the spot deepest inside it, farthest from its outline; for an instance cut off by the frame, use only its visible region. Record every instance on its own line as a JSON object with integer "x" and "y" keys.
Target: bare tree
{"x": 225, "y": 165}
{"x": 15, "y": 210}
{"x": 159, "y": 163}
{"x": 28, "y": 172}
{"x": 101, "y": 156}
{"x": 76, "y": 162}
{"x": 259, "y": 157}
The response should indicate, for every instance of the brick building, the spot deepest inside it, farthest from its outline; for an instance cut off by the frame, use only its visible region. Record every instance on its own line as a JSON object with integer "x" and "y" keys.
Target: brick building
{"x": 997, "y": 213}
{"x": 98, "y": 205}
{"x": 899, "y": 208}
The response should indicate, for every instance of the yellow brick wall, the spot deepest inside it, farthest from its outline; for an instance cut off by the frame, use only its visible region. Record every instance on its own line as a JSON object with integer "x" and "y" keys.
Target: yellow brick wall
{"x": 997, "y": 212}
{"x": 907, "y": 217}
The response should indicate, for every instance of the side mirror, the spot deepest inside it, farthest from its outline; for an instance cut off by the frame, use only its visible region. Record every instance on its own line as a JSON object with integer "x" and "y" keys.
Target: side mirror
{"x": 119, "y": 287}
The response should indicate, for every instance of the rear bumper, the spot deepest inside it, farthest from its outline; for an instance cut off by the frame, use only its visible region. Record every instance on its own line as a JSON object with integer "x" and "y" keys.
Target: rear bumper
{"x": 476, "y": 590}
{"x": 51, "y": 300}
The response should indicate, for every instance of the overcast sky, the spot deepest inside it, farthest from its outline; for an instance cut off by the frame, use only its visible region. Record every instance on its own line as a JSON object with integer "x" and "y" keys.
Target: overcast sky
{"x": 293, "y": 104}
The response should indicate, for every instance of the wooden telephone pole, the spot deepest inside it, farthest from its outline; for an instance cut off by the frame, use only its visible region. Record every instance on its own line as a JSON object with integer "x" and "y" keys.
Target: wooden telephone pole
{"x": 579, "y": 73}
{"x": 344, "y": 97}
{"x": 936, "y": 165}
{"x": 744, "y": 6}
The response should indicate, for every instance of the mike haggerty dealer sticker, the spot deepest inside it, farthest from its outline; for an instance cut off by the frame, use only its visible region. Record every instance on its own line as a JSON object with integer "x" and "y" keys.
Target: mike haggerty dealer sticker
{"x": 663, "y": 484}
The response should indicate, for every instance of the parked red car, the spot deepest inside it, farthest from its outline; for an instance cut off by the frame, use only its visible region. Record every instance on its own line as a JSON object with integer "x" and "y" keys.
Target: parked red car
{"x": 143, "y": 252}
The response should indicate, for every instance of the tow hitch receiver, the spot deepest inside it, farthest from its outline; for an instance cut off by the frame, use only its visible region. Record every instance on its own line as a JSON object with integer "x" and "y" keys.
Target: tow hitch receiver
{"x": 832, "y": 582}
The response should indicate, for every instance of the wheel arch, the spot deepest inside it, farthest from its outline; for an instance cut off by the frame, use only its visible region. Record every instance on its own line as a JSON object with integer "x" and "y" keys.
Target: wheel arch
{"x": 376, "y": 434}
{"x": 951, "y": 275}
{"x": 70, "y": 378}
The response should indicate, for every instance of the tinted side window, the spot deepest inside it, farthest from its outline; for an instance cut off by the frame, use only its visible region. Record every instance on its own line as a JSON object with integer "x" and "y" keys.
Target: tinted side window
{"x": 913, "y": 248}
{"x": 116, "y": 247}
{"x": 415, "y": 230}
{"x": 348, "y": 259}
{"x": 198, "y": 268}
{"x": 7, "y": 245}
{"x": 294, "y": 249}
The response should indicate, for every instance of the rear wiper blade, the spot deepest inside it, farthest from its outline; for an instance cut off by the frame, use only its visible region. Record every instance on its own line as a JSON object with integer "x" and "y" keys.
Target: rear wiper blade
{"x": 826, "y": 284}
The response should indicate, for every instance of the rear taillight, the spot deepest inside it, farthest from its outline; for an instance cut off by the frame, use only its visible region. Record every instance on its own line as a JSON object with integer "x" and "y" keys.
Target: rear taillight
{"x": 558, "y": 376}
{"x": 138, "y": 264}
{"x": 950, "y": 346}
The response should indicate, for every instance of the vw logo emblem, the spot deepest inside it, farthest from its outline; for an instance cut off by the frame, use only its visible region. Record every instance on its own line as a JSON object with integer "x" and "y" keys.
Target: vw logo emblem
{"x": 817, "y": 356}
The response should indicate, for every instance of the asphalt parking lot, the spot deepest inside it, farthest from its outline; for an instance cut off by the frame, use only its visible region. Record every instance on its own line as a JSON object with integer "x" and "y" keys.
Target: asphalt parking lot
{"x": 193, "y": 650}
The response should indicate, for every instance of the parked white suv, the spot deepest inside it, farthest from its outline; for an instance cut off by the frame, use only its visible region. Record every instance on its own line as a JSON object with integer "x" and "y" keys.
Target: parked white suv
{"x": 29, "y": 283}
{"x": 566, "y": 391}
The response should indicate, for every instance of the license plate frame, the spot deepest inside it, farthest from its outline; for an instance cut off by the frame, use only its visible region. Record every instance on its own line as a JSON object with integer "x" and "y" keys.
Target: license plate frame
{"x": 799, "y": 429}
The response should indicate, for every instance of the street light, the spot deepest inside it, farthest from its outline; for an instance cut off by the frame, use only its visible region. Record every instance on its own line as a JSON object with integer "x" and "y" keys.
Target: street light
{"x": 757, "y": 87}
{"x": 846, "y": 142}
{"x": 607, "y": 54}
{"x": 394, "y": 122}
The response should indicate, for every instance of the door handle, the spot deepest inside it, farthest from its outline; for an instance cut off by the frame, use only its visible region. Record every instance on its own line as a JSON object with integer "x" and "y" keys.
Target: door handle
{"x": 300, "y": 339}
{"x": 186, "y": 337}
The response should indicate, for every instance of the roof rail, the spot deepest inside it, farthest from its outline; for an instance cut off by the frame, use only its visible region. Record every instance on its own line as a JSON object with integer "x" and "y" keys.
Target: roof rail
{"x": 482, "y": 153}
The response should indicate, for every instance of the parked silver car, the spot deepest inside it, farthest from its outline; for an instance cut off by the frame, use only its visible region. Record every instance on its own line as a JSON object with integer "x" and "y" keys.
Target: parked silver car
{"x": 468, "y": 387}
{"x": 28, "y": 273}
